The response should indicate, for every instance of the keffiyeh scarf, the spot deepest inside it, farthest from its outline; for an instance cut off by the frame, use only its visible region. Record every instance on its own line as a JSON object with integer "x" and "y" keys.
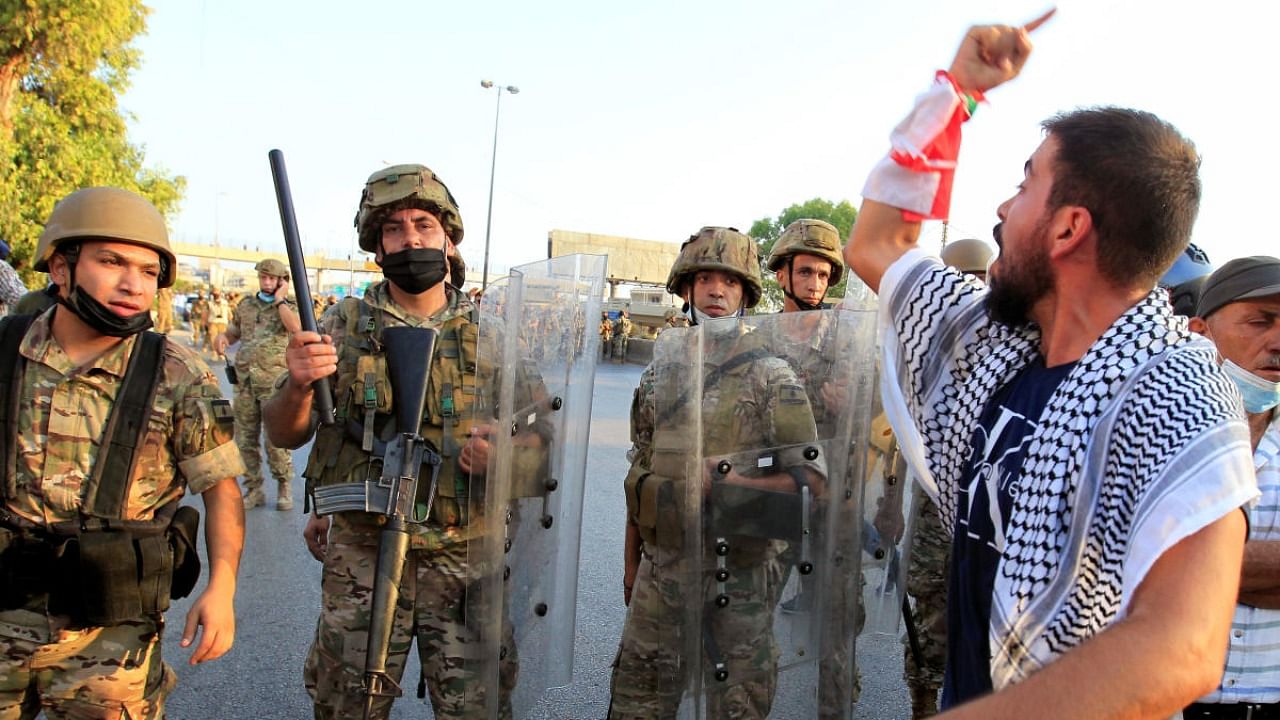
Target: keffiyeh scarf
{"x": 1141, "y": 446}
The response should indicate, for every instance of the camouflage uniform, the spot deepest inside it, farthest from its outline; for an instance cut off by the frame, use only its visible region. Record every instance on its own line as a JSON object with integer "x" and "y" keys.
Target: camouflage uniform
{"x": 199, "y": 313}
{"x": 436, "y": 570}
{"x": 46, "y": 662}
{"x": 36, "y": 301}
{"x": 927, "y": 582}
{"x": 621, "y": 338}
{"x": 259, "y": 363}
{"x": 743, "y": 409}
{"x": 219, "y": 315}
{"x": 164, "y": 311}
{"x": 606, "y": 336}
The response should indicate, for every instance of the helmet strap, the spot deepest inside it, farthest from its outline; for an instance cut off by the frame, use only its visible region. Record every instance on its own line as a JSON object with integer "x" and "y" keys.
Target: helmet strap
{"x": 791, "y": 280}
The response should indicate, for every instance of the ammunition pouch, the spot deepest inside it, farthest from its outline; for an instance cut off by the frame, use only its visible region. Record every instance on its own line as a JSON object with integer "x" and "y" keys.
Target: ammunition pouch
{"x": 101, "y": 578}
{"x": 652, "y": 504}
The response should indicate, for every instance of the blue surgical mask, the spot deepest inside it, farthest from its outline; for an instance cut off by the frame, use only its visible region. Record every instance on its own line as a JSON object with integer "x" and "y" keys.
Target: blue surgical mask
{"x": 266, "y": 297}
{"x": 1259, "y": 395}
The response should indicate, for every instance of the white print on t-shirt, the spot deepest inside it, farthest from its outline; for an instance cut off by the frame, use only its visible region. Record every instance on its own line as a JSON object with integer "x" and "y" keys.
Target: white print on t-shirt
{"x": 993, "y": 471}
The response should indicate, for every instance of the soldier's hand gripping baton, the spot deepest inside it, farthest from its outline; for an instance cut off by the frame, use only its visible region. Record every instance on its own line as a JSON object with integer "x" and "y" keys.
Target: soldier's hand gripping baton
{"x": 409, "y": 352}
{"x": 323, "y": 402}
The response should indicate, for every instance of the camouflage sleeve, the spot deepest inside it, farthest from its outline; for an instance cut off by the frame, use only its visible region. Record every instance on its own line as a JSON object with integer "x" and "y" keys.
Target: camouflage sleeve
{"x": 642, "y": 421}
{"x": 203, "y": 432}
{"x": 790, "y": 413}
{"x": 333, "y": 322}
{"x": 233, "y": 324}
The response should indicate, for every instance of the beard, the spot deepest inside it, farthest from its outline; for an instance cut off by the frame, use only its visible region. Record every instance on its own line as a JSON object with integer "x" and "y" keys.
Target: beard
{"x": 1021, "y": 284}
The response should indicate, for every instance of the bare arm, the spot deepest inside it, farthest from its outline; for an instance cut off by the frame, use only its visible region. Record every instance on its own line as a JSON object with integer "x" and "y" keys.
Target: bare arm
{"x": 1178, "y": 622}
{"x": 988, "y": 56}
{"x": 287, "y": 415}
{"x": 1260, "y": 577}
{"x": 630, "y": 560}
{"x": 214, "y": 610}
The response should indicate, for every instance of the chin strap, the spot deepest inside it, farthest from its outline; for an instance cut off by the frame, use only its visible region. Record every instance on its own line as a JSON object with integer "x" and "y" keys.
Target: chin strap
{"x": 791, "y": 280}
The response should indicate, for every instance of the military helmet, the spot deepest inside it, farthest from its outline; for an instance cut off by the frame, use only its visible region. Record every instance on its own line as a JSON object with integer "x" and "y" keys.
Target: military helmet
{"x": 271, "y": 266}
{"x": 1185, "y": 279}
{"x": 111, "y": 214}
{"x": 402, "y": 186}
{"x": 809, "y": 237}
{"x": 718, "y": 248}
{"x": 967, "y": 255}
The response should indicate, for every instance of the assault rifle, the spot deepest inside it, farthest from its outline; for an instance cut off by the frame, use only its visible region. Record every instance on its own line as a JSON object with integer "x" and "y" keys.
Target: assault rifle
{"x": 393, "y": 494}
{"x": 298, "y": 269}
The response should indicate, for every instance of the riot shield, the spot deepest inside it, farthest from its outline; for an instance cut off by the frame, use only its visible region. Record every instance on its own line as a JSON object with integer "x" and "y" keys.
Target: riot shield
{"x": 537, "y": 342}
{"x": 760, "y": 427}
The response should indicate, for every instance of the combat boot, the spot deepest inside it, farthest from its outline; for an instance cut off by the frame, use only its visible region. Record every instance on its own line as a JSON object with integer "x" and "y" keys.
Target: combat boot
{"x": 254, "y": 498}
{"x": 284, "y": 496}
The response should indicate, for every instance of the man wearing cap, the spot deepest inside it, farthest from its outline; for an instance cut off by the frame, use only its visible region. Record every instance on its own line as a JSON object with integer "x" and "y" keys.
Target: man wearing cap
{"x": 1239, "y": 310}
{"x": 1082, "y": 444}
{"x": 262, "y": 324}
{"x": 94, "y": 541}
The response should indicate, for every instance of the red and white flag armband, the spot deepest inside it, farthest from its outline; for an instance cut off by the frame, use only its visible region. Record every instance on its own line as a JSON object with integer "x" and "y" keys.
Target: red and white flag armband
{"x": 917, "y": 173}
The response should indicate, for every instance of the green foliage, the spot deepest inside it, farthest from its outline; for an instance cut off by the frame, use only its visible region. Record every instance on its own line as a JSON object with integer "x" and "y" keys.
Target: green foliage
{"x": 63, "y": 64}
{"x": 767, "y": 230}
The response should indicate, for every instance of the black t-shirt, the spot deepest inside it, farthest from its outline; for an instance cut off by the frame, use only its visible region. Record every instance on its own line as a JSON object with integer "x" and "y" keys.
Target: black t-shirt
{"x": 998, "y": 447}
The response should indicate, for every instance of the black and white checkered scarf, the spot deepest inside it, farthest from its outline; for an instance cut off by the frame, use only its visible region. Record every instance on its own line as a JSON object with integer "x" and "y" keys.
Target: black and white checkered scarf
{"x": 1140, "y": 446}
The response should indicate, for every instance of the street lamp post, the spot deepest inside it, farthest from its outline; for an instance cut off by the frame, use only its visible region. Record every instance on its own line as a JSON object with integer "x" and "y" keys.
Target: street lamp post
{"x": 493, "y": 167}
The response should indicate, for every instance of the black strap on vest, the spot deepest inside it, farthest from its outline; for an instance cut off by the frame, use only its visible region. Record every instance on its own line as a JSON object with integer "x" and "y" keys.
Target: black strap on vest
{"x": 126, "y": 429}
{"x": 12, "y": 329}
{"x": 126, "y": 425}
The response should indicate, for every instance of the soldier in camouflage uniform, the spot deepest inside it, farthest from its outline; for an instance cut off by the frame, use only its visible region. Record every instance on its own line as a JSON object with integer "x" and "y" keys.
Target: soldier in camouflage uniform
{"x": 410, "y": 221}
{"x": 929, "y": 566}
{"x": 621, "y": 336}
{"x": 199, "y": 310}
{"x": 807, "y": 260}
{"x": 108, "y": 251}
{"x": 262, "y": 324}
{"x": 759, "y": 404}
{"x": 164, "y": 311}
{"x": 674, "y": 318}
{"x": 606, "y": 335}
{"x": 219, "y": 316}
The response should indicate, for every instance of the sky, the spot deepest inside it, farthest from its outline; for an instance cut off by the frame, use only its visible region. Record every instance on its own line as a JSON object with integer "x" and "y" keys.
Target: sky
{"x": 651, "y": 120}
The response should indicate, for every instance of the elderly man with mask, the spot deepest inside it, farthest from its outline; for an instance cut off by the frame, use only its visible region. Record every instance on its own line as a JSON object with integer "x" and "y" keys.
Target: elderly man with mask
{"x": 1239, "y": 311}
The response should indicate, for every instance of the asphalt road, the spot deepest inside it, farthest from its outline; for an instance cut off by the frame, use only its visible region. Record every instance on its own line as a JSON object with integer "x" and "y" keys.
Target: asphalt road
{"x": 279, "y": 593}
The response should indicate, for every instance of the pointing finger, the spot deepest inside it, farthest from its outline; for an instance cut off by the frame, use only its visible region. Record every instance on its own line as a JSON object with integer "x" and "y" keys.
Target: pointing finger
{"x": 1031, "y": 26}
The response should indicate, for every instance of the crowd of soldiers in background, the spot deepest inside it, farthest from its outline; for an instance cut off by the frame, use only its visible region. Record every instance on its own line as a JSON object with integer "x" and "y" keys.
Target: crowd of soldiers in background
{"x": 208, "y": 311}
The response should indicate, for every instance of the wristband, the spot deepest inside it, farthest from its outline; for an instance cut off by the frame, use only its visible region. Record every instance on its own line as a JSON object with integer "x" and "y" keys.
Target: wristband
{"x": 917, "y": 173}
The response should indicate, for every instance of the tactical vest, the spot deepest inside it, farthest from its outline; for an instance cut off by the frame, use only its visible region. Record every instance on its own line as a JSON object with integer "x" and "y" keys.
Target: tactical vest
{"x": 364, "y": 413}
{"x": 103, "y": 569}
{"x": 655, "y": 495}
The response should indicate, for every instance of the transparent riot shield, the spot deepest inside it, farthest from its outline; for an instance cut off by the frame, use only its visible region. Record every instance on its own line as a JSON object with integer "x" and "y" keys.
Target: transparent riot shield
{"x": 536, "y": 342}
{"x": 760, "y": 430}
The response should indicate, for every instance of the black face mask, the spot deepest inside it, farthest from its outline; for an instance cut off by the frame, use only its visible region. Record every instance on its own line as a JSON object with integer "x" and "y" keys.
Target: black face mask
{"x": 415, "y": 270}
{"x": 101, "y": 318}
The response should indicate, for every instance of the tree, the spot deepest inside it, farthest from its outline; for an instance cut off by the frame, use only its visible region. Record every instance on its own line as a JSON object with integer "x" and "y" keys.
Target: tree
{"x": 767, "y": 230}
{"x": 63, "y": 64}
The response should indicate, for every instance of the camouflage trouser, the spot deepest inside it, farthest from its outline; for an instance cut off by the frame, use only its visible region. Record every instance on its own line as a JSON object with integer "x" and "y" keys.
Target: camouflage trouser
{"x": 90, "y": 674}
{"x": 164, "y": 321}
{"x": 927, "y": 583}
{"x": 649, "y": 673}
{"x": 216, "y": 329}
{"x": 620, "y": 343}
{"x": 432, "y": 594}
{"x": 248, "y": 409}
{"x": 606, "y": 346}
{"x": 839, "y": 679}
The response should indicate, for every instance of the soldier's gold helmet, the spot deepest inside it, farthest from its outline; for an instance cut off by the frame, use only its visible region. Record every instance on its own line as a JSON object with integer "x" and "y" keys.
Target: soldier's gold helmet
{"x": 271, "y": 266}
{"x": 968, "y": 255}
{"x": 399, "y": 187}
{"x": 809, "y": 237}
{"x": 111, "y": 214}
{"x": 718, "y": 248}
